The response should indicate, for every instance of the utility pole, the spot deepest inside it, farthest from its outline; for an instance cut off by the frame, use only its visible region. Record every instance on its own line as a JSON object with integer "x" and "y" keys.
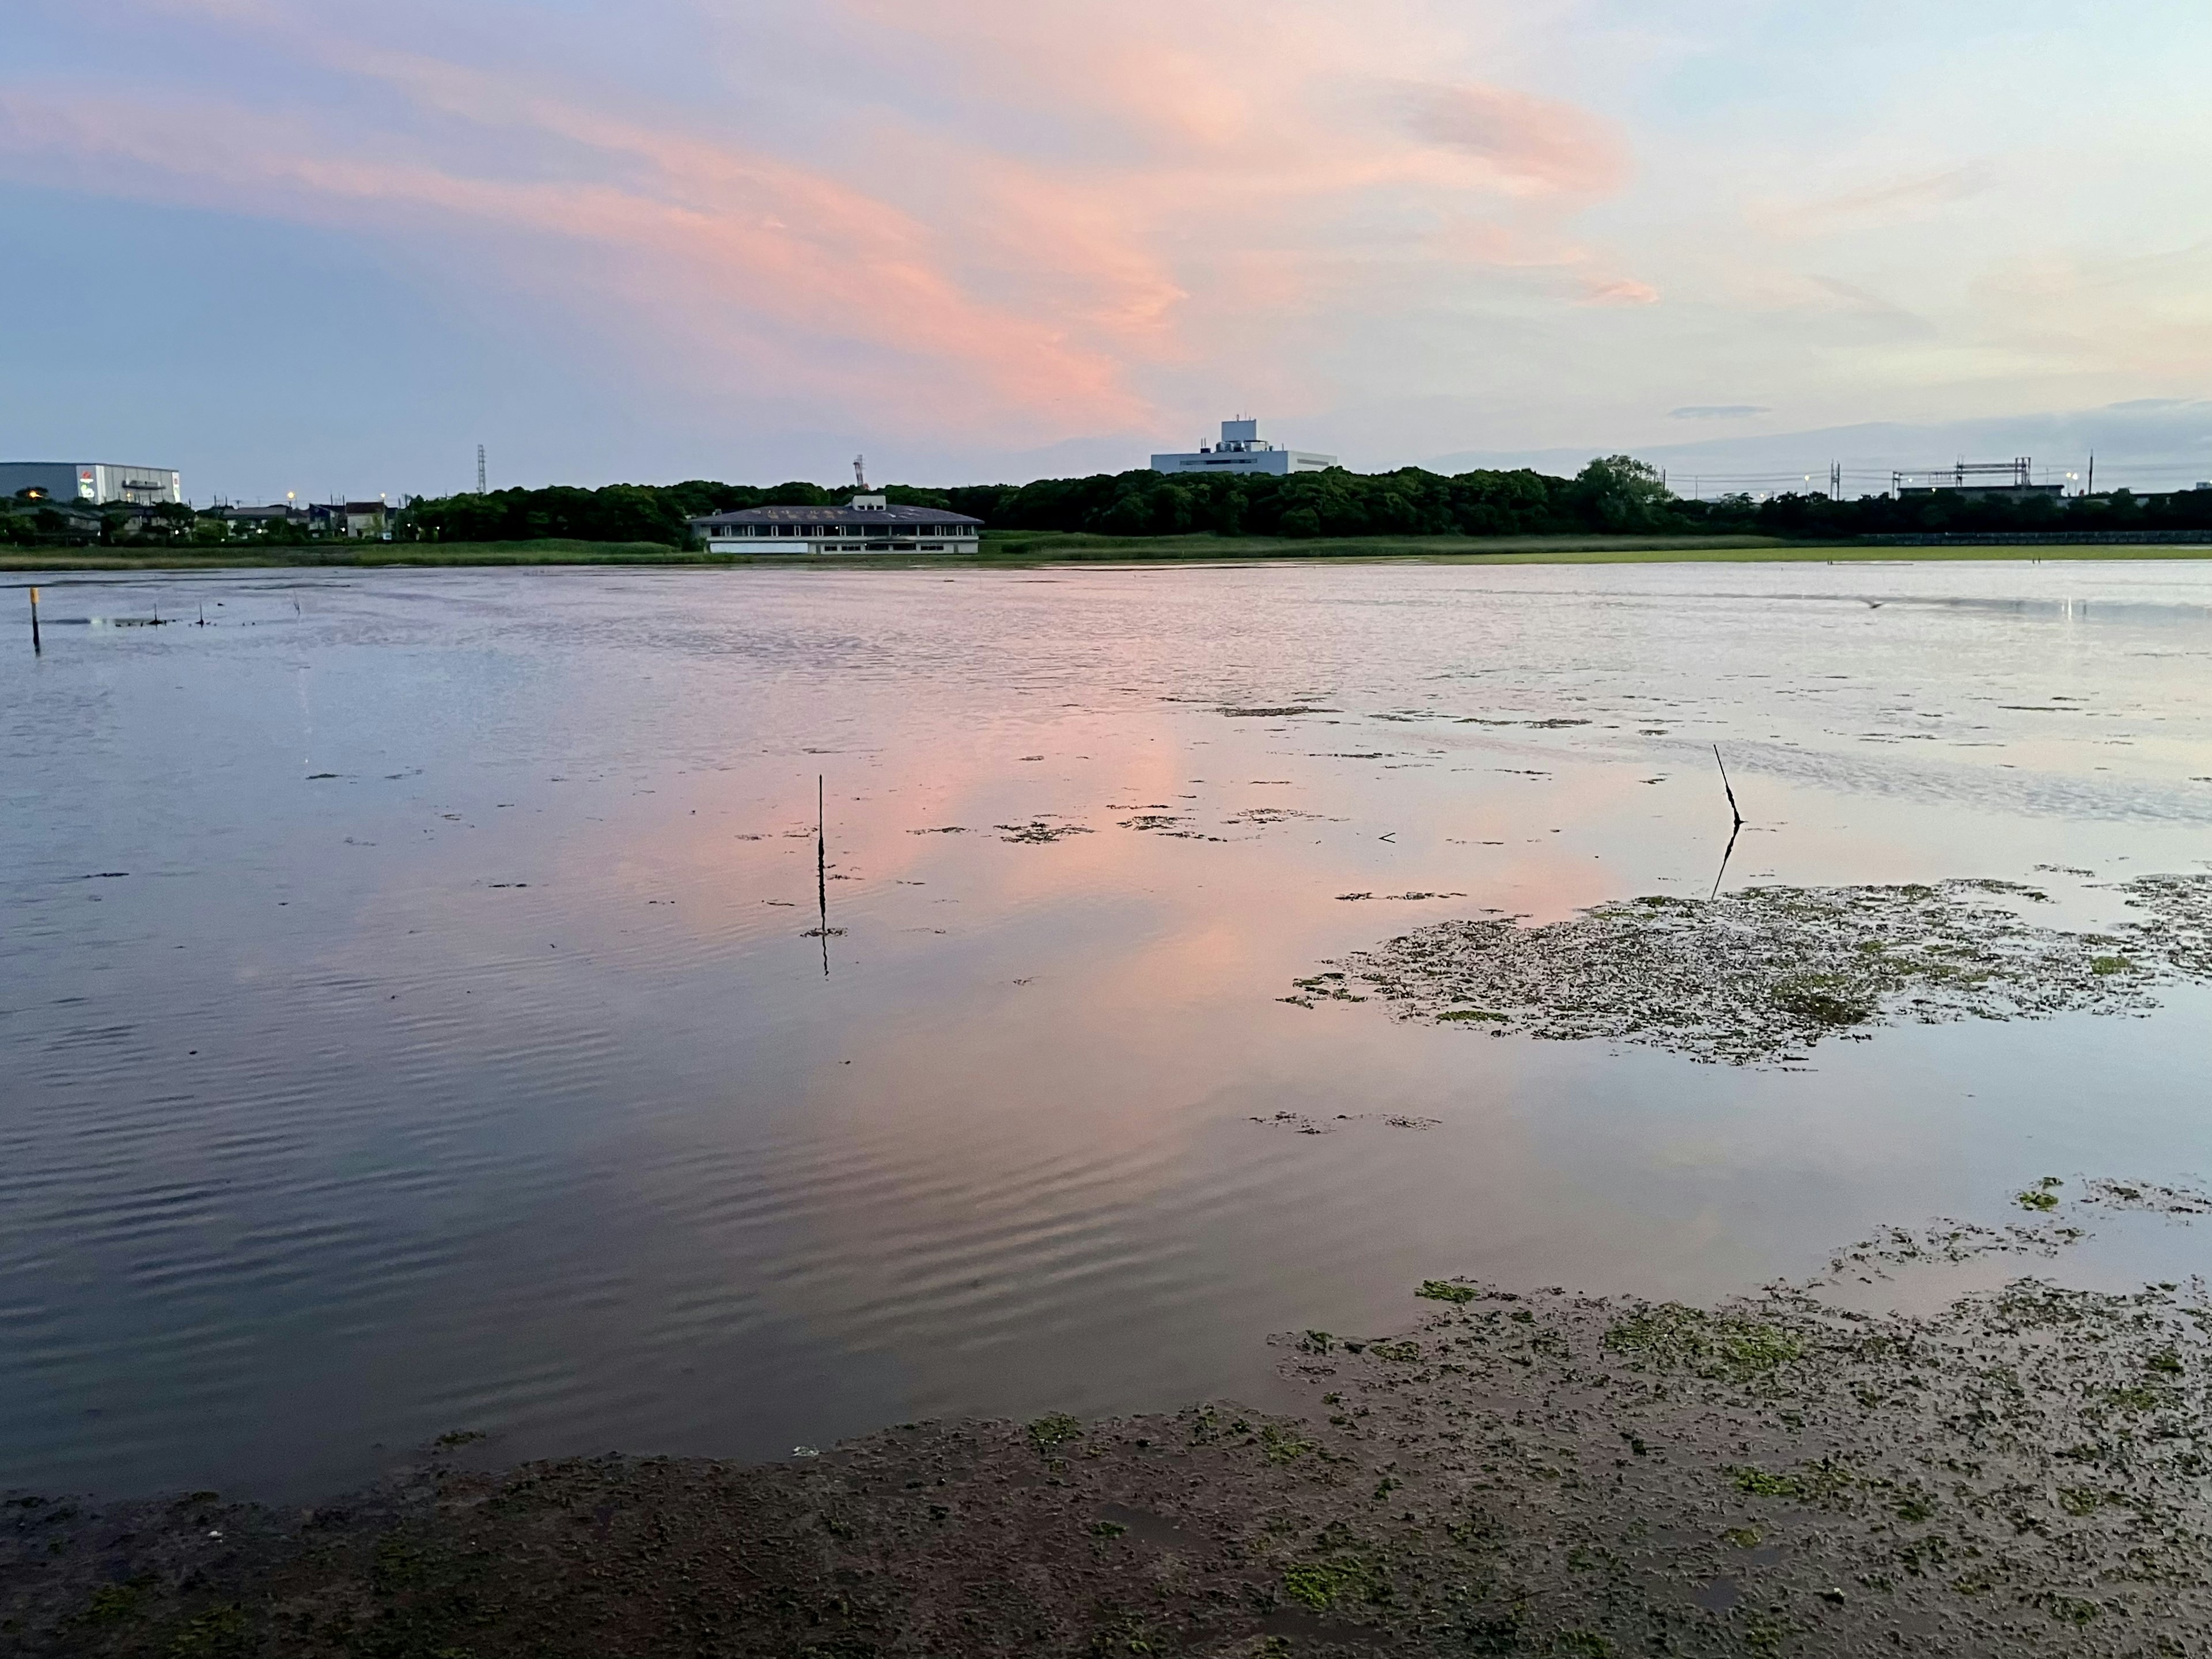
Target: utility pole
{"x": 2093, "y": 474}
{"x": 480, "y": 470}
{"x": 1835, "y": 481}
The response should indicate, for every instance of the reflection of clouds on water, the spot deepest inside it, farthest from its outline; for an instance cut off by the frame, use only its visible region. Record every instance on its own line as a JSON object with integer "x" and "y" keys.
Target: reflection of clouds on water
{"x": 520, "y": 1100}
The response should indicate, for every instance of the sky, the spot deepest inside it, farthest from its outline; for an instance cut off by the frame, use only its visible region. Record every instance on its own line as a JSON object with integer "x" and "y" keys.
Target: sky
{"x": 330, "y": 248}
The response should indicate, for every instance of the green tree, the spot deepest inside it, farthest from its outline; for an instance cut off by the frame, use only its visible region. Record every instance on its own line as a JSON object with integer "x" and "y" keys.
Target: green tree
{"x": 1619, "y": 492}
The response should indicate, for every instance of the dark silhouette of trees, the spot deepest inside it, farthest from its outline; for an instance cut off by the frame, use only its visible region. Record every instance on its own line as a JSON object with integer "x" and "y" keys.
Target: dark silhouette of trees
{"x": 1614, "y": 495}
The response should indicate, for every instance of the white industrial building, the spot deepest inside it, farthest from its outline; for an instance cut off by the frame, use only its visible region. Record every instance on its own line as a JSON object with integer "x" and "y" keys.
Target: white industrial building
{"x": 94, "y": 482}
{"x": 866, "y": 524}
{"x": 1242, "y": 449}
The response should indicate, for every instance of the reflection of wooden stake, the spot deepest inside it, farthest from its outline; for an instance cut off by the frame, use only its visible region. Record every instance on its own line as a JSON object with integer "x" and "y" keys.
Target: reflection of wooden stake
{"x": 1721, "y": 875}
{"x": 37, "y": 649}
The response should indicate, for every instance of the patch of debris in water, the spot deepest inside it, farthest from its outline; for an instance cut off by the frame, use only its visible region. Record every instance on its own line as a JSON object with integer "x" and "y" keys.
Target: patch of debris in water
{"x": 1761, "y": 976}
{"x": 1300, "y": 1123}
{"x": 1037, "y": 831}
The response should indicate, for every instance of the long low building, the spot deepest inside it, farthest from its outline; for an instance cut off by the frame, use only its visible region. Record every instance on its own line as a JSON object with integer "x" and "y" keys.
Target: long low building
{"x": 866, "y": 524}
{"x": 97, "y": 483}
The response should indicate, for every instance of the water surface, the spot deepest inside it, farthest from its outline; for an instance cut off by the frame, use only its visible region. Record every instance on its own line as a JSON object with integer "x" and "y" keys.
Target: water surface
{"x": 410, "y": 1021}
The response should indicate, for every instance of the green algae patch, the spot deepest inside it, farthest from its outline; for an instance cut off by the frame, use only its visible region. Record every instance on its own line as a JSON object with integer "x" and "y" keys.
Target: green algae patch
{"x": 1815, "y": 1483}
{"x": 1671, "y": 1337}
{"x": 1764, "y": 975}
{"x": 1322, "y": 1585}
{"x": 1053, "y": 1430}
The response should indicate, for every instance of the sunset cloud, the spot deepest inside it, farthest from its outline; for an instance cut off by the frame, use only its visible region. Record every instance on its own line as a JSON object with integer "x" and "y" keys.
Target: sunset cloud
{"x": 1533, "y": 143}
{"x": 1618, "y": 291}
{"x": 992, "y": 230}
{"x": 740, "y": 244}
{"x": 1887, "y": 202}
{"x": 1034, "y": 282}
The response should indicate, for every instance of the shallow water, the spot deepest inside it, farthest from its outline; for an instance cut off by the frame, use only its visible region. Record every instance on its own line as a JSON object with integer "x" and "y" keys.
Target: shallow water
{"x": 408, "y": 1021}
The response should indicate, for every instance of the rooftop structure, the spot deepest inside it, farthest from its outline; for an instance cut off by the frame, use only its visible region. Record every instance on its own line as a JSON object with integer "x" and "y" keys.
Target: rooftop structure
{"x": 97, "y": 483}
{"x": 1978, "y": 481}
{"x": 1242, "y": 449}
{"x": 866, "y": 524}
{"x": 275, "y": 513}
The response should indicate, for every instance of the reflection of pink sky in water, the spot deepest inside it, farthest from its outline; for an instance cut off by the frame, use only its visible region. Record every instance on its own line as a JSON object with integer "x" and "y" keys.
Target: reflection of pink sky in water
{"x": 1064, "y": 1110}
{"x": 608, "y": 1160}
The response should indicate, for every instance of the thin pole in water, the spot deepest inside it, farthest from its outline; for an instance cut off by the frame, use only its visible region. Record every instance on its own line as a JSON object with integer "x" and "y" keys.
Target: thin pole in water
{"x": 38, "y": 649}
{"x": 1736, "y": 830}
{"x": 822, "y": 869}
{"x": 1734, "y": 810}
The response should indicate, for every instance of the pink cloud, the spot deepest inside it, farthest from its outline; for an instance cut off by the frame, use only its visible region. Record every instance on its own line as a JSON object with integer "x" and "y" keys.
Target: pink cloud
{"x": 757, "y": 241}
{"x": 1090, "y": 193}
{"x": 1618, "y": 291}
{"x": 1533, "y": 143}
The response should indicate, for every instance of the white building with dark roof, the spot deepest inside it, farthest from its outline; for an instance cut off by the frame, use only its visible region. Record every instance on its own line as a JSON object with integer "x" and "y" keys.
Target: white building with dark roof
{"x": 866, "y": 524}
{"x": 1242, "y": 449}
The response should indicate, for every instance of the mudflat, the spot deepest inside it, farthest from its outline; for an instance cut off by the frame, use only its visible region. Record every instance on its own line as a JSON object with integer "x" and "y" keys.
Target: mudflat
{"x": 2022, "y": 1472}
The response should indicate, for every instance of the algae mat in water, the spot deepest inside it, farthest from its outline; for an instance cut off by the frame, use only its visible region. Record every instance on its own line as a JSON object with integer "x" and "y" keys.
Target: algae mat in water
{"x": 1762, "y": 976}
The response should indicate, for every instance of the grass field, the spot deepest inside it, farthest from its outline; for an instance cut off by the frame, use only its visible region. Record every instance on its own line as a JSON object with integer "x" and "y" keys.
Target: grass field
{"x": 1033, "y": 548}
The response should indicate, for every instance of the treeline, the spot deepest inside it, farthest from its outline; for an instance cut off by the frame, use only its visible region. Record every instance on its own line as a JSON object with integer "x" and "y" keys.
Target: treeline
{"x": 28, "y": 520}
{"x": 1615, "y": 495}
{"x": 618, "y": 512}
{"x": 1146, "y": 503}
{"x": 1816, "y": 518}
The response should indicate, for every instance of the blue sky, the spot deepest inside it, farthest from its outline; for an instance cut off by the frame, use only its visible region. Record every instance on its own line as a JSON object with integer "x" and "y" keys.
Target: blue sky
{"x": 330, "y": 248}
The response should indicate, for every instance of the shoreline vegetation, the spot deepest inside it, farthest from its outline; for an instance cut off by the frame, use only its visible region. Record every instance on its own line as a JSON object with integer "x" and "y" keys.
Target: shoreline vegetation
{"x": 1521, "y": 1473}
{"x": 1021, "y": 549}
{"x": 1615, "y": 506}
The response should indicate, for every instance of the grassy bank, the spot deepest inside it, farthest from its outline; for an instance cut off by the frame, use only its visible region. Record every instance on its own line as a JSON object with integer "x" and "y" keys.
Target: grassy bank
{"x": 354, "y": 555}
{"x": 1035, "y": 548}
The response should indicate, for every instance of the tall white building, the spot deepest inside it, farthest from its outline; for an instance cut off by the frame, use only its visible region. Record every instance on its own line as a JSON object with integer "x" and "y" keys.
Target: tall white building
{"x": 1242, "y": 449}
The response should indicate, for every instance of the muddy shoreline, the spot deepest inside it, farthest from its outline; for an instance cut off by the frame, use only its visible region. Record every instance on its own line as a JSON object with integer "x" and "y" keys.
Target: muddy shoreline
{"x": 2024, "y": 1472}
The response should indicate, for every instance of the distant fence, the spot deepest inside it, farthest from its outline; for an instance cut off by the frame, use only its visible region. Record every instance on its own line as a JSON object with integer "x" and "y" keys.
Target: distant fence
{"x": 2050, "y": 539}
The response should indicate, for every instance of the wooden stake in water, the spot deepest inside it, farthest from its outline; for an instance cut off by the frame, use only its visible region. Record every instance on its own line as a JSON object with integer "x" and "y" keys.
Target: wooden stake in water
{"x": 1735, "y": 832}
{"x": 822, "y": 870}
{"x": 1726, "y": 784}
{"x": 37, "y": 649}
